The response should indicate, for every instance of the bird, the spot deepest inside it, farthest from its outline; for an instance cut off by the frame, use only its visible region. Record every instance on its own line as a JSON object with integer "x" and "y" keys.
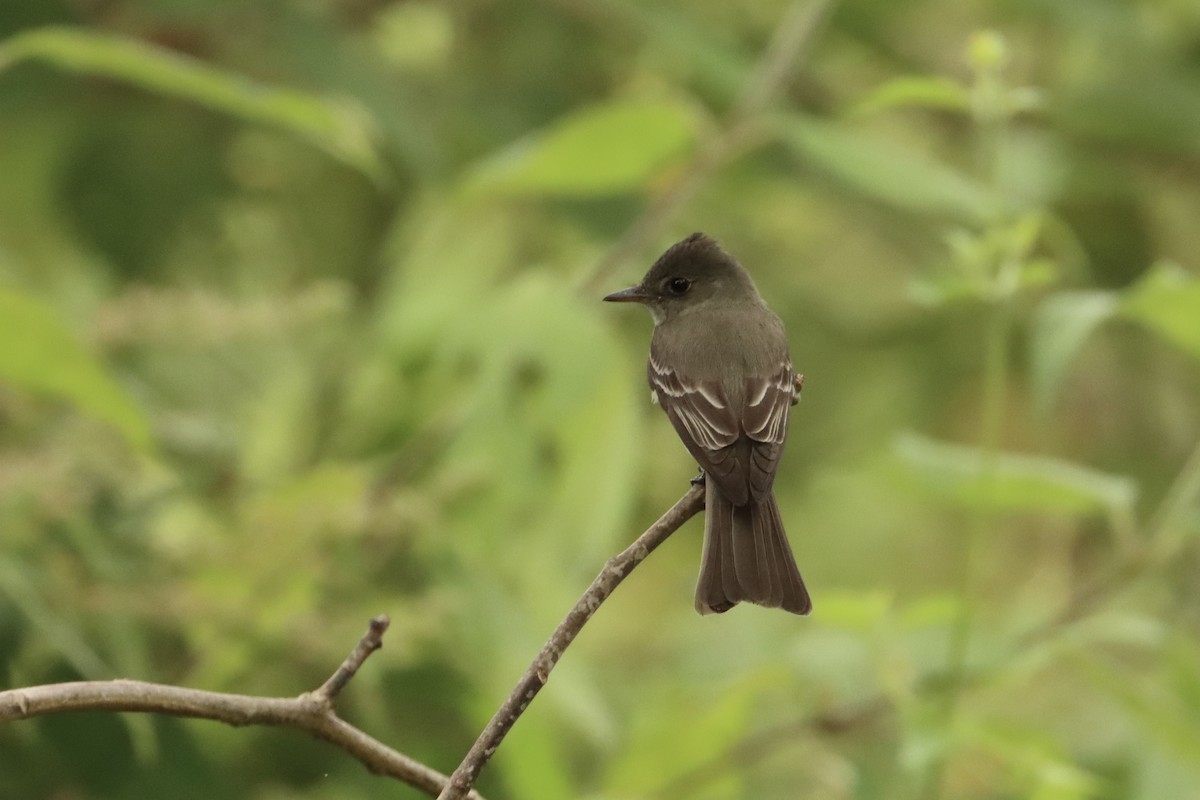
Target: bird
{"x": 719, "y": 367}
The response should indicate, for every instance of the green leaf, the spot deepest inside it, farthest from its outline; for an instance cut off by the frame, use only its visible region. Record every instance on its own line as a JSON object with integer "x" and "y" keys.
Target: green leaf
{"x": 1035, "y": 758}
{"x": 947, "y": 287}
{"x": 961, "y": 474}
{"x": 681, "y": 46}
{"x": 1102, "y": 630}
{"x": 987, "y": 266}
{"x": 1060, "y": 327}
{"x": 915, "y": 91}
{"x": 42, "y": 355}
{"x": 601, "y": 150}
{"x": 672, "y": 737}
{"x": 25, "y": 586}
{"x": 1183, "y": 665}
{"x": 1167, "y": 300}
{"x": 339, "y": 127}
{"x": 1152, "y": 708}
{"x": 884, "y": 170}
{"x": 535, "y": 763}
{"x": 858, "y": 611}
{"x": 931, "y": 611}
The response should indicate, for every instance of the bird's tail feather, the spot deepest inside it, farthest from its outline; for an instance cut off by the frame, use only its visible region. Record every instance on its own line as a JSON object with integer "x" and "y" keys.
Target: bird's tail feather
{"x": 747, "y": 558}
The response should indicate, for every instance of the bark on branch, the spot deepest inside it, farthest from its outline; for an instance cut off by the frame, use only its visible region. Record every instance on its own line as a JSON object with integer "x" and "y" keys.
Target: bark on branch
{"x": 312, "y": 712}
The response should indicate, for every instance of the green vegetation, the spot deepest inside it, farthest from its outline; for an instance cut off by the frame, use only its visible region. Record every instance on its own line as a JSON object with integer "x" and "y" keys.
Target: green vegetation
{"x": 300, "y": 323}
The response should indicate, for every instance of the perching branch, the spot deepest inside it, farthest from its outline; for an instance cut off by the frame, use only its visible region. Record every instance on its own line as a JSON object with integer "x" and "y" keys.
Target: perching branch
{"x": 312, "y": 711}
{"x": 535, "y": 677}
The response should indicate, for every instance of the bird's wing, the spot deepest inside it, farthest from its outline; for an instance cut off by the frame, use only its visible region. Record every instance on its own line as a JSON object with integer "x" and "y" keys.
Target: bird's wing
{"x": 738, "y": 448}
{"x": 768, "y": 403}
{"x": 700, "y": 408}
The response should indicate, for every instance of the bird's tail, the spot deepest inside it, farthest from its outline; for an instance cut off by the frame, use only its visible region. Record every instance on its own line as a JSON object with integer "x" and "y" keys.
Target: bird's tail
{"x": 747, "y": 557}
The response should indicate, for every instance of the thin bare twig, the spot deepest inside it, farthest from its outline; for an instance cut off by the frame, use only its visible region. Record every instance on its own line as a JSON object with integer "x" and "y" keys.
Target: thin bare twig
{"x": 311, "y": 712}
{"x": 371, "y": 641}
{"x": 535, "y": 677}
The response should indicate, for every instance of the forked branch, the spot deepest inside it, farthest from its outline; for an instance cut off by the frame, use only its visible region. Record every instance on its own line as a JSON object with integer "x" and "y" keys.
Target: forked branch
{"x": 312, "y": 712}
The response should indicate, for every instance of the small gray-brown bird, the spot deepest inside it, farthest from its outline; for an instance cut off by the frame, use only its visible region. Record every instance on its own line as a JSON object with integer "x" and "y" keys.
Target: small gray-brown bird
{"x": 719, "y": 367}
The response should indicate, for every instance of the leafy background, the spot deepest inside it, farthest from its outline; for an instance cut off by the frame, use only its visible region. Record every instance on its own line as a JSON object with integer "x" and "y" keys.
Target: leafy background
{"x": 299, "y": 324}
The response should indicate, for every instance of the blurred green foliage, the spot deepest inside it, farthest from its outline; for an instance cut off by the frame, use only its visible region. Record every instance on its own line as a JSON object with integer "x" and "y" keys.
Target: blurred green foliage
{"x": 299, "y": 324}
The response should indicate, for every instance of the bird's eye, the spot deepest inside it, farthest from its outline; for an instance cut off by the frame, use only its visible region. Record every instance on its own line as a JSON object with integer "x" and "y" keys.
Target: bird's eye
{"x": 678, "y": 286}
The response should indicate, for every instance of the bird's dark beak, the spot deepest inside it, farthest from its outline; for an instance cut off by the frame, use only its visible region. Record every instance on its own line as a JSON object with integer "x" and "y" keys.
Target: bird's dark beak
{"x": 634, "y": 294}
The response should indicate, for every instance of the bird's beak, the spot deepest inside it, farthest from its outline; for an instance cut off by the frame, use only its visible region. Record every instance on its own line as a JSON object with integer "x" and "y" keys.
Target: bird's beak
{"x": 634, "y": 294}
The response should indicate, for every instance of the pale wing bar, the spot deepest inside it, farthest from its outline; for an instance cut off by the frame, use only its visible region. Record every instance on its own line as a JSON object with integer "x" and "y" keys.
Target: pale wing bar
{"x": 701, "y": 408}
{"x": 768, "y": 402}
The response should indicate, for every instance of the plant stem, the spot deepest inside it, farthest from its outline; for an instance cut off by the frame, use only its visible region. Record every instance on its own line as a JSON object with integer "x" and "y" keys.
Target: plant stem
{"x": 982, "y": 527}
{"x": 1164, "y": 534}
{"x": 991, "y": 121}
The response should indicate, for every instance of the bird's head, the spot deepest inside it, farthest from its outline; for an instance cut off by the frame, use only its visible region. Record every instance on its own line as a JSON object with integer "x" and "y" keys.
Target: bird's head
{"x": 689, "y": 275}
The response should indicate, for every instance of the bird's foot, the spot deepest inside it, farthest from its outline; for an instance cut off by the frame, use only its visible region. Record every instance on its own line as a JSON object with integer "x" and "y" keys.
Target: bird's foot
{"x": 797, "y": 385}
{"x": 698, "y": 480}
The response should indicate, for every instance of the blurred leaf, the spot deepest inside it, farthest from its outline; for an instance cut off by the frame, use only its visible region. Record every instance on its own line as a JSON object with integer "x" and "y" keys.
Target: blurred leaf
{"x": 600, "y": 150}
{"x": 1060, "y": 327}
{"x": 534, "y": 764}
{"x": 859, "y": 611}
{"x": 1035, "y": 273}
{"x": 925, "y": 740}
{"x": 339, "y": 127}
{"x": 949, "y": 287}
{"x": 885, "y": 170}
{"x": 1036, "y": 758}
{"x": 1167, "y": 300}
{"x": 915, "y": 91}
{"x": 959, "y": 474}
{"x": 1064, "y": 781}
{"x": 532, "y": 396}
{"x": 674, "y": 738}
{"x": 42, "y": 355}
{"x": 281, "y": 424}
{"x": 1032, "y": 175}
{"x": 680, "y": 46}
{"x": 987, "y": 51}
{"x": 415, "y": 36}
{"x": 1113, "y": 106}
{"x": 989, "y": 265}
{"x": 1153, "y": 708}
{"x": 1026, "y": 99}
{"x": 1023, "y": 234}
{"x": 946, "y": 287}
{"x": 931, "y": 611}
{"x": 1183, "y": 664}
{"x": 1102, "y": 629}
{"x": 19, "y": 583}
